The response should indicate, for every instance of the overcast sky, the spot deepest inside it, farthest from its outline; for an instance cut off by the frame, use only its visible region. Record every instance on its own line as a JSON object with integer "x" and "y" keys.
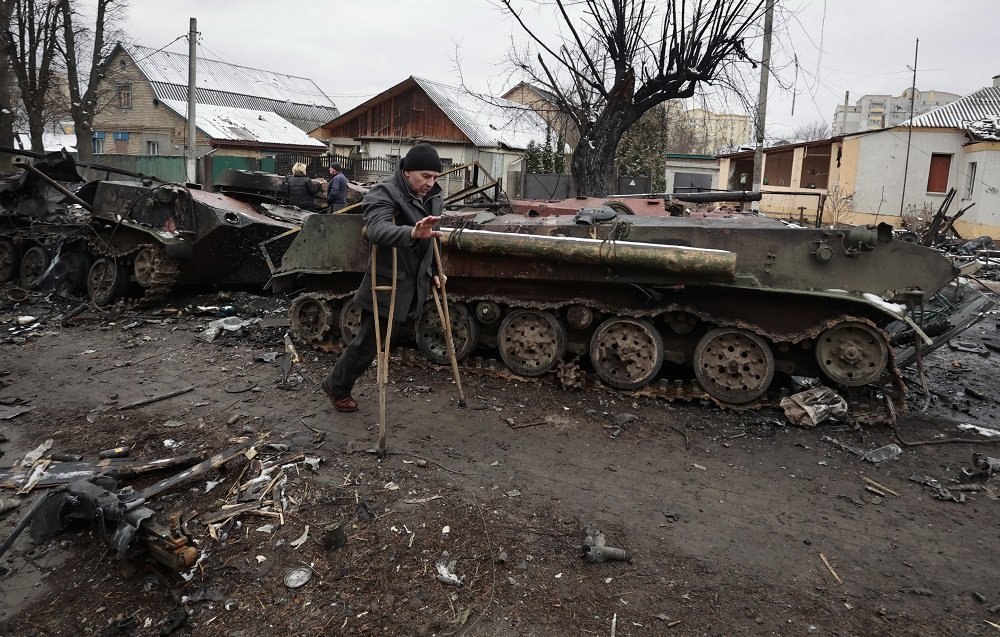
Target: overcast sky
{"x": 354, "y": 49}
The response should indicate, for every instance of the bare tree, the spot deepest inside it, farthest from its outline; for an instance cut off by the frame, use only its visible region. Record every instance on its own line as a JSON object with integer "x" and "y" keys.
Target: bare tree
{"x": 622, "y": 57}
{"x": 29, "y": 39}
{"x": 86, "y": 98}
{"x": 809, "y": 132}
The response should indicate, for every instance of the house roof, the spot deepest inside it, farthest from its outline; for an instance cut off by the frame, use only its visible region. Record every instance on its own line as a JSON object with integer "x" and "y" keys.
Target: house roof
{"x": 296, "y": 99}
{"x": 244, "y": 125}
{"x": 489, "y": 122}
{"x": 974, "y": 107}
{"x": 545, "y": 94}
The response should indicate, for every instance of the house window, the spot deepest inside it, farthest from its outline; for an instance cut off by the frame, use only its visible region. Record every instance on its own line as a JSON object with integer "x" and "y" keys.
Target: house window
{"x": 970, "y": 183}
{"x": 937, "y": 178}
{"x": 124, "y": 95}
{"x": 98, "y": 144}
{"x": 120, "y": 136}
{"x": 152, "y": 148}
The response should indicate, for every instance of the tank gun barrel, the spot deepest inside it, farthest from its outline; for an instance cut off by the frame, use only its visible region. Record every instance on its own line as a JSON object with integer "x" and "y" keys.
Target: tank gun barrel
{"x": 698, "y": 197}
{"x": 699, "y": 262}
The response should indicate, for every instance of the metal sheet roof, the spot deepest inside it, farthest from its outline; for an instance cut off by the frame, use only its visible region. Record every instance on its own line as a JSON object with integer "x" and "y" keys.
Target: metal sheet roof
{"x": 489, "y": 122}
{"x": 240, "y": 124}
{"x": 984, "y": 103}
{"x": 296, "y": 99}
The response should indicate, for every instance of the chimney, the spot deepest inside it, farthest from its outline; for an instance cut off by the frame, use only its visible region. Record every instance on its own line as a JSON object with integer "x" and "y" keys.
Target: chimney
{"x": 996, "y": 81}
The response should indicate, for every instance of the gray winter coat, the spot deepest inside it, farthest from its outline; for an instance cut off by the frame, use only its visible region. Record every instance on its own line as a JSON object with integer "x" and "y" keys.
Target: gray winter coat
{"x": 391, "y": 211}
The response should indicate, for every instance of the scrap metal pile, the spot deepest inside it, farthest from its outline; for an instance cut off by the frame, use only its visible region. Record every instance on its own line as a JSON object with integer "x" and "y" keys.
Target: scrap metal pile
{"x": 128, "y": 239}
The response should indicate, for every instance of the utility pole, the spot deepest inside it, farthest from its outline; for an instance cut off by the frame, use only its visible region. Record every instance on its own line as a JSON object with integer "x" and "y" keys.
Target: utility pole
{"x": 765, "y": 69}
{"x": 909, "y": 132}
{"x": 191, "y": 152}
{"x": 843, "y": 125}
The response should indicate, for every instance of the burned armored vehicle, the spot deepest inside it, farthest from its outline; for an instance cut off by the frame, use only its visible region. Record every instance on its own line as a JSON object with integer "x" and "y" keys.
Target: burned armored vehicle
{"x": 677, "y": 307}
{"x": 132, "y": 239}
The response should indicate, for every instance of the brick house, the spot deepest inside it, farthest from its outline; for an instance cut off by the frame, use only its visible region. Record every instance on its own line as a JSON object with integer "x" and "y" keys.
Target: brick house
{"x": 240, "y": 111}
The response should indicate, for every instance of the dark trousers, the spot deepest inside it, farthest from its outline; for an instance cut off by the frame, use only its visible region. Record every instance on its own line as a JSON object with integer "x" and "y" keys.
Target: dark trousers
{"x": 334, "y": 207}
{"x": 357, "y": 356}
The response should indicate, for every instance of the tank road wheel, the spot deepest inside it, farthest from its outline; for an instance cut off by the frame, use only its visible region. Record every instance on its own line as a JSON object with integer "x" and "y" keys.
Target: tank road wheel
{"x": 144, "y": 265}
{"x": 33, "y": 265}
{"x": 531, "y": 342}
{"x": 852, "y": 353}
{"x": 733, "y": 365}
{"x": 9, "y": 255}
{"x": 311, "y": 318}
{"x": 430, "y": 333}
{"x": 350, "y": 320}
{"x": 626, "y": 353}
{"x": 105, "y": 281}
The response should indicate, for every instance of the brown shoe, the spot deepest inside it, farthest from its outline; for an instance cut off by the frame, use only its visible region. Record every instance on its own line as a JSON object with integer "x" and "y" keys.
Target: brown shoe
{"x": 346, "y": 404}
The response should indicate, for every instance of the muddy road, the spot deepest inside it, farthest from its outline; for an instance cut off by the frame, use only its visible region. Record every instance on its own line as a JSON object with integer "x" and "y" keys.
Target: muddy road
{"x": 735, "y": 522}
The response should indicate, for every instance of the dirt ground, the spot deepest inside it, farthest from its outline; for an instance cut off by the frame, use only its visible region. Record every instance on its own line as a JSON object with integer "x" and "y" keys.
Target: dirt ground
{"x": 735, "y": 522}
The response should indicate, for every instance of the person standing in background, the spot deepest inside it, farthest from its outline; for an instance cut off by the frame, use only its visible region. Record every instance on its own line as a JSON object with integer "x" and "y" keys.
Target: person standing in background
{"x": 301, "y": 189}
{"x": 336, "y": 193}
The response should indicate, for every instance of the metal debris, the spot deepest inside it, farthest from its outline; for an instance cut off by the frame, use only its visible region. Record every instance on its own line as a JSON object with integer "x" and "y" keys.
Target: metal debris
{"x": 882, "y": 454}
{"x": 812, "y": 406}
{"x": 595, "y": 550}
{"x": 297, "y": 577}
{"x": 446, "y": 570}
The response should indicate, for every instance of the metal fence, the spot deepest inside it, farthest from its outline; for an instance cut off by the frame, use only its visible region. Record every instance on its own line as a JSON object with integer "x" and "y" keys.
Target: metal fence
{"x": 357, "y": 168}
{"x": 802, "y": 207}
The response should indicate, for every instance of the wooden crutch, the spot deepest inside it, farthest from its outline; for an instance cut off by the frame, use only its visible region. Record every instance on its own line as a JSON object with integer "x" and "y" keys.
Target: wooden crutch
{"x": 445, "y": 317}
{"x": 383, "y": 346}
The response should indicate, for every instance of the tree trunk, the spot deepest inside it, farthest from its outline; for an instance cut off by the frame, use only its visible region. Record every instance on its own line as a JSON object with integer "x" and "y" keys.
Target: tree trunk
{"x": 594, "y": 158}
{"x": 36, "y": 129}
{"x": 6, "y": 110}
{"x": 84, "y": 135}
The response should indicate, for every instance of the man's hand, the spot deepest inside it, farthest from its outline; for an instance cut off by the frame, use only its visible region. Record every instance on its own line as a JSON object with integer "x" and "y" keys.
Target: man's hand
{"x": 439, "y": 281}
{"x": 425, "y": 228}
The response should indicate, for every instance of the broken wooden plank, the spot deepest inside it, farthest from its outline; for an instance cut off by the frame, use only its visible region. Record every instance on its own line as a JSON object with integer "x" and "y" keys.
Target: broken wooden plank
{"x": 215, "y": 461}
{"x": 58, "y": 473}
{"x": 157, "y": 398}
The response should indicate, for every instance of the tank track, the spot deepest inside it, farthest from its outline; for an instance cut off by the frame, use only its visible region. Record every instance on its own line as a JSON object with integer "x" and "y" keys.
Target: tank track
{"x": 570, "y": 375}
{"x": 165, "y": 270}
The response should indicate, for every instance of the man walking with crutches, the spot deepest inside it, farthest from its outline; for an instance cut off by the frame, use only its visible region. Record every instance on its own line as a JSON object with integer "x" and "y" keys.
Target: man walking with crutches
{"x": 399, "y": 219}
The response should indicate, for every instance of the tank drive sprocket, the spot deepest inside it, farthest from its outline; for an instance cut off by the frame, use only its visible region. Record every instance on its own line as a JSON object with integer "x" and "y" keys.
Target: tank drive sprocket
{"x": 311, "y": 317}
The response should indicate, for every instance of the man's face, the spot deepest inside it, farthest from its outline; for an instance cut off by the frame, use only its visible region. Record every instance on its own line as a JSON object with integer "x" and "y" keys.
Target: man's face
{"x": 421, "y": 181}
{"x": 333, "y": 171}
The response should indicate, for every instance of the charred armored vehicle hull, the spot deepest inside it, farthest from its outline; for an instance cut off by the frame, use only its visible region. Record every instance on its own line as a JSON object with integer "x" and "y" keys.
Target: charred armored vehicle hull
{"x": 728, "y": 304}
{"x": 135, "y": 239}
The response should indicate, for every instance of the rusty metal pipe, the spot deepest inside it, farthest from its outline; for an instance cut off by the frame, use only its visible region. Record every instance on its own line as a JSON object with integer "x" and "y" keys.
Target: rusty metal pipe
{"x": 715, "y": 264}
{"x": 27, "y": 165}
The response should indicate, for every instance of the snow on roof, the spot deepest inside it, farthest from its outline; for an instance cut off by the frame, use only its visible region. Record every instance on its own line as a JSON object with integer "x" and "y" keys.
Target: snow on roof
{"x": 227, "y": 123}
{"x": 986, "y": 129}
{"x": 52, "y": 142}
{"x": 489, "y": 122}
{"x": 215, "y": 75}
{"x": 974, "y": 107}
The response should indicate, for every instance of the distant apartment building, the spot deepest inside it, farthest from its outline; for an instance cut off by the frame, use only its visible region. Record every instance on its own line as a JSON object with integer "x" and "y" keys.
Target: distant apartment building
{"x": 719, "y": 132}
{"x": 873, "y": 112}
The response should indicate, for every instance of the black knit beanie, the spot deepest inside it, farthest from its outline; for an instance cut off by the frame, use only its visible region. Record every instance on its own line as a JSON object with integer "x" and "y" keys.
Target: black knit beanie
{"x": 422, "y": 157}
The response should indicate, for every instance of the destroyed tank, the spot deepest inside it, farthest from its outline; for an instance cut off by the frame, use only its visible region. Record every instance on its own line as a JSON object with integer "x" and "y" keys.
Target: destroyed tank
{"x": 671, "y": 306}
{"x": 134, "y": 239}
